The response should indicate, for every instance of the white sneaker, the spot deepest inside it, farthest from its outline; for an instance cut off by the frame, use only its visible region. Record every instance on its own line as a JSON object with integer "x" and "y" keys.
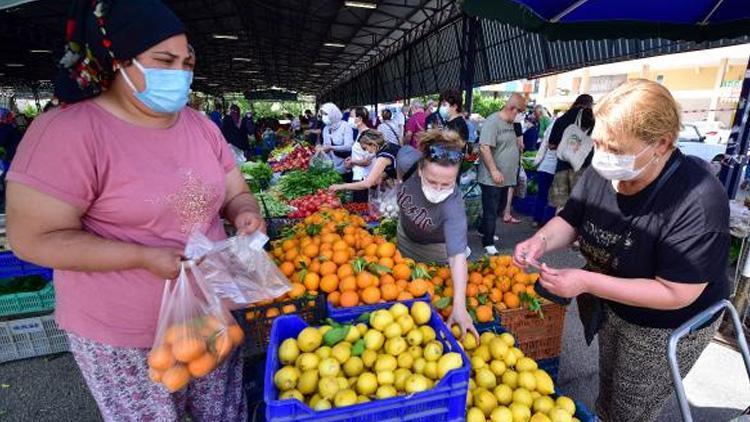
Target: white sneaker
{"x": 491, "y": 250}
{"x": 495, "y": 238}
{"x": 468, "y": 252}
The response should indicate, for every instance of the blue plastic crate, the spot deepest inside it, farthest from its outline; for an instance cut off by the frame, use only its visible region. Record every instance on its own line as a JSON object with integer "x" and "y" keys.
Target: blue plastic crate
{"x": 551, "y": 365}
{"x": 11, "y": 266}
{"x": 344, "y": 314}
{"x": 445, "y": 402}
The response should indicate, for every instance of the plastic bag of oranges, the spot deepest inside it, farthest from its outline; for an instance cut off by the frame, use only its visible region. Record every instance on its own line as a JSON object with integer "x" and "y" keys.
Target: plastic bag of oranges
{"x": 238, "y": 269}
{"x": 195, "y": 332}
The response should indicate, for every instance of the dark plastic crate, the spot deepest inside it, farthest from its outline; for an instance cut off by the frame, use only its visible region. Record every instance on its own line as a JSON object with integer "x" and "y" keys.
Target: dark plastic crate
{"x": 445, "y": 402}
{"x": 31, "y": 337}
{"x": 42, "y": 300}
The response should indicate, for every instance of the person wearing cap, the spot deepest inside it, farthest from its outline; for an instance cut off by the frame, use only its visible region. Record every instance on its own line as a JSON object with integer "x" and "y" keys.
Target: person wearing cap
{"x": 106, "y": 190}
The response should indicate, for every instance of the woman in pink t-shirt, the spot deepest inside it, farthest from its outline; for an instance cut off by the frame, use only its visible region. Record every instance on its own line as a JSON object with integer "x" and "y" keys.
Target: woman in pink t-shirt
{"x": 106, "y": 191}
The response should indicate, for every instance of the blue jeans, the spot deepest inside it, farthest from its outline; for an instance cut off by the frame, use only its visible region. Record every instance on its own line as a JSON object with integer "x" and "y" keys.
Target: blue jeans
{"x": 543, "y": 181}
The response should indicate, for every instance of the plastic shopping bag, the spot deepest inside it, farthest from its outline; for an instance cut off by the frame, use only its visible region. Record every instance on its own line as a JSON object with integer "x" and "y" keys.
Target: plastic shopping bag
{"x": 383, "y": 199}
{"x": 321, "y": 161}
{"x": 195, "y": 333}
{"x": 238, "y": 269}
{"x": 523, "y": 183}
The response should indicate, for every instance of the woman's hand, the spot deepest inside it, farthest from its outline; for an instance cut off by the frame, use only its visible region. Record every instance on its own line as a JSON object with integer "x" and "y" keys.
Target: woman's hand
{"x": 334, "y": 188}
{"x": 567, "y": 283}
{"x": 162, "y": 262}
{"x": 530, "y": 249}
{"x": 461, "y": 317}
{"x": 249, "y": 222}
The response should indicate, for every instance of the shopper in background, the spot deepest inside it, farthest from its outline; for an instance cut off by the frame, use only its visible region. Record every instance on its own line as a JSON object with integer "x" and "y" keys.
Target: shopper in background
{"x": 518, "y": 128}
{"x": 432, "y": 219}
{"x": 543, "y": 119}
{"x": 383, "y": 156}
{"x": 416, "y": 124}
{"x": 565, "y": 177}
{"x": 107, "y": 190}
{"x": 217, "y": 115}
{"x": 545, "y": 163}
{"x": 312, "y": 134}
{"x": 234, "y": 131}
{"x": 361, "y": 161}
{"x": 10, "y": 136}
{"x": 402, "y": 114}
{"x": 498, "y": 167}
{"x": 449, "y": 115}
{"x": 337, "y": 138}
{"x": 434, "y": 119}
{"x": 653, "y": 225}
{"x": 471, "y": 128}
{"x": 388, "y": 128}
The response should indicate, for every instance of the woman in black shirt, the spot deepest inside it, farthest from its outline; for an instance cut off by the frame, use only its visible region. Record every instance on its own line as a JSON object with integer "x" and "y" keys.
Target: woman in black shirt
{"x": 385, "y": 162}
{"x": 653, "y": 226}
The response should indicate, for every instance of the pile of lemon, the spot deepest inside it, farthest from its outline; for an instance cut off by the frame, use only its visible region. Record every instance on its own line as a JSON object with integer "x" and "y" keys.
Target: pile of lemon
{"x": 507, "y": 386}
{"x": 394, "y": 352}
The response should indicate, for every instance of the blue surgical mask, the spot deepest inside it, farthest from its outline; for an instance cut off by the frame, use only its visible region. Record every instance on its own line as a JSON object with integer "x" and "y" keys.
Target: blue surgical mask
{"x": 166, "y": 89}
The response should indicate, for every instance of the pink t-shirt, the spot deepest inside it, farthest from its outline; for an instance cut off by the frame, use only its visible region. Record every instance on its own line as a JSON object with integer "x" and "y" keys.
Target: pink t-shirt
{"x": 134, "y": 184}
{"x": 415, "y": 124}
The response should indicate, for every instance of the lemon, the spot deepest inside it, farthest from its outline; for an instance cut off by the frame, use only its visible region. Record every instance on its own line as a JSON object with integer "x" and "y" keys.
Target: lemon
{"x": 343, "y": 383}
{"x": 469, "y": 398}
{"x": 406, "y": 322}
{"x": 288, "y": 351}
{"x": 328, "y": 387}
{"x": 345, "y": 398}
{"x": 374, "y": 339}
{"x": 498, "y": 367}
{"x": 329, "y": 367}
{"x": 362, "y": 328}
{"x": 501, "y": 414}
{"x": 432, "y": 351}
{"x": 400, "y": 377}
{"x": 428, "y": 334}
{"x": 520, "y": 412}
{"x": 475, "y": 414}
{"x": 498, "y": 348}
{"x": 353, "y": 366}
{"x": 416, "y": 383}
{"x": 392, "y": 330}
{"x": 385, "y": 392}
{"x": 456, "y": 331}
{"x": 367, "y": 383}
{"x": 544, "y": 404}
{"x": 486, "y": 337}
{"x": 322, "y": 404}
{"x": 544, "y": 383}
{"x": 469, "y": 342}
{"x": 559, "y": 414}
{"x": 535, "y": 395}
{"x": 386, "y": 378}
{"x": 292, "y": 394}
{"x": 522, "y": 396}
{"x": 418, "y": 366}
{"x": 508, "y": 339}
{"x": 386, "y": 363}
{"x": 405, "y": 360}
{"x": 503, "y": 394}
{"x": 567, "y": 404}
{"x": 380, "y": 319}
{"x": 286, "y": 378}
{"x": 323, "y": 352}
{"x": 352, "y": 381}
{"x": 472, "y": 384}
{"x": 448, "y": 362}
{"x": 314, "y": 399}
{"x": 510, "y": 358}
{"x": 518, "y": 352}
{"x": 323, "y": 329}
{"x": 342, "y": 351}
{"x": 421, "y": 313}
{"x": 510, "y": 378}
{"x": 483, "y": 352}
{"x": 485, "y": 378}
{"x": 395, "y": 346}
{"x": 398, "y": 309}
{"x": 526, "y": 380}
{"x": 477, "y": 363}
{"x": 369, "y": 357}
{"x": 485, "y": 401}
{"x": 308, "y": 382}
{"x": 431, "y": 370}
{"x": 539, "y": 417}
{"x": 362, "y": 399}
{"x": 309, "y": 339}
{"x": 415, "y": 352}
{"x": 414, "y": 337}
{"x": 307, "y": 361}
{"x": 353, "y": 335}
{"x": 526, "y": 364}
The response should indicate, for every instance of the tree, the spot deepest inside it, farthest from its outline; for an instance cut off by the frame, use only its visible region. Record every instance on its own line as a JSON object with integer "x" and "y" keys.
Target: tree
{"x": 484, "y": 105}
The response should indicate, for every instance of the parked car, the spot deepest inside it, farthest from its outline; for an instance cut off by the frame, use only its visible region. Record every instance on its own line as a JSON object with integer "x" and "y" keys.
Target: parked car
{"x": 691, "y": 142}
{"x": 715, "y": 132}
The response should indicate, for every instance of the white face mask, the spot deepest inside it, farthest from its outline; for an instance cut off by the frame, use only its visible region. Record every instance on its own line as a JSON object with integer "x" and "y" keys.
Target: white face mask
{"x": 436, "y": 196}
{"x": 326, "y": 120}
{"x": 618, "y": 167}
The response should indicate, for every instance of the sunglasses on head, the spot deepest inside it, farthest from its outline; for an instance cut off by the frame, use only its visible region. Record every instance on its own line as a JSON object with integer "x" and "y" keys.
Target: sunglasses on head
{"x": 441, "y": 153}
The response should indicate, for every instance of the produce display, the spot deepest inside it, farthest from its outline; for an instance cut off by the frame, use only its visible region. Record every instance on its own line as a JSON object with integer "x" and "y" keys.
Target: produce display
{"x": 272, "y": 207}
{"x": 362, "y": 209}
{"x": 506, "y": 386}
{"x": 298, "y": 183}
{"x": 257, "y": 174}
{"x": 309, "y": 204}
{"x": 388, "y": 353}
{"x": 298, "y": 158}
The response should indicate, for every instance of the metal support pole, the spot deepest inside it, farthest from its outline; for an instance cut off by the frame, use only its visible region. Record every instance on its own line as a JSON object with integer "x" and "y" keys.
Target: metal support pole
{"x": 468, "y": 56}
{"x": 737, "y": 145}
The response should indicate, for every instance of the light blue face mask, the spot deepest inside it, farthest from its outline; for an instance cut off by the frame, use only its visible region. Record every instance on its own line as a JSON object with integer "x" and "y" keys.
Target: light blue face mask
{"x": 166, "y": 89}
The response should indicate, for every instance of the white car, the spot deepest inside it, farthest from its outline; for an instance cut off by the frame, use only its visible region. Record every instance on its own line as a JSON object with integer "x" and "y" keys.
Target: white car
{"x": 715, "y": 132}
{"x": 691, "y": 142}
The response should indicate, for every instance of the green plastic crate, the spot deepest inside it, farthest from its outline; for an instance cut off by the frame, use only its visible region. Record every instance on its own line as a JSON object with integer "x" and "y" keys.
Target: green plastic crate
{"x": 31, "y": 337}
{"x": 28, "y": 302}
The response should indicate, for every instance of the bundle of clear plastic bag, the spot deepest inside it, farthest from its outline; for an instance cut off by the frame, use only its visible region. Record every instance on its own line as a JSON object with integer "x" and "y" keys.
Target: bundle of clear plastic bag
{"x": 238, "y": 269}
{"x": 195, "y": 332}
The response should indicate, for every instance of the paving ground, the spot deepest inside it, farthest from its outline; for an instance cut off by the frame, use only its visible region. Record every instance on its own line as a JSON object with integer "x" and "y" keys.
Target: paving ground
{"x": 52, "y": 389}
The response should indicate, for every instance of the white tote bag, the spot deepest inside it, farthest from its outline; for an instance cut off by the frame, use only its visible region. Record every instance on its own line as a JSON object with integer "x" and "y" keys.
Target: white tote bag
{"x": 575, "y": 144}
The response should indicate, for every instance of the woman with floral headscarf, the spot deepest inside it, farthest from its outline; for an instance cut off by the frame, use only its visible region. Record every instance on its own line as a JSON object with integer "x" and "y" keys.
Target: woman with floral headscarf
{"x": 107, "y": 189}
{"x": 337, "y": 138}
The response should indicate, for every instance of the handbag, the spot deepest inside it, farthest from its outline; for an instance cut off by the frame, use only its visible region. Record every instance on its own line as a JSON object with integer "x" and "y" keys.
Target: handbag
{"x": 590, "y": 307}
{"x": 575, "y": 144}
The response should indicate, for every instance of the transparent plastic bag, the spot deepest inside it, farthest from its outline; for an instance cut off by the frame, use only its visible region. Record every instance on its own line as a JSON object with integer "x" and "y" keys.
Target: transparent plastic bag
{"x": 321, "y": 161}
{"x": 523, "y": 183}
{"x": 383, "y": 200}
{"x": 195, "y": 333}
{"x": 238, "y": 269}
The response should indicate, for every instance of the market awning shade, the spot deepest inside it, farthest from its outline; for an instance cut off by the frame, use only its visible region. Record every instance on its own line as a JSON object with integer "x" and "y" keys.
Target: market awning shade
{"x": 692, "y": 20}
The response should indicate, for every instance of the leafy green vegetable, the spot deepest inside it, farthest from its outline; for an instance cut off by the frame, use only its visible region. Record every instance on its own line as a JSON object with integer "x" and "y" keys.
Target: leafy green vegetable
{"x": 257, "y": 175}
{"x": 364, "y": 318}
{"x": 387, "y": 228}
{"x": 272, "y": 207}
{"x": 336, "y": 335}
{"x": 359, "y": 347}
{"x": 533, "y": 304}
{"x": 298, "y": 183}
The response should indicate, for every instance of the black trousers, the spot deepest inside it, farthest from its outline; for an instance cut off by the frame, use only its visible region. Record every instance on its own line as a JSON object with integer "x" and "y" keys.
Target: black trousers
{"x": 493, "y": 201}
{"x": 361, "y": 196}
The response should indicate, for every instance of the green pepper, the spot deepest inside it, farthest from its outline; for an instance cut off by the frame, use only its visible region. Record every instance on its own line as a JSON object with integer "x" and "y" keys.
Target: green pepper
{"x": 336, "y": 335}
{"x": 359, "y": 347}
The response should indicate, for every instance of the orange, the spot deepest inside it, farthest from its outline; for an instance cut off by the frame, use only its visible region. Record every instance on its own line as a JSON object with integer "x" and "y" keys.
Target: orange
{"x": 349, "y": 230}
{"x": 386, "y": 250}
{"x": 329, "y": 283}
{"x": 448, "y": 292}
{"x": 371, "y": 249}
{"x": 504, "y": 284}
{"x": 297, "y": 290}
{"x": 401, "y": 272}
{"x": 475, "y": 277}
{"x": 520, "y": 278}
{"x": 387, "y": 279}
{"x": 325, "y": 255}
{"x": 484, "y": 313}
{"x": 364, "y": 280}
{"x": 518, "y": 288}
{"x": 496, "y": 295}
{"x": 340, "y": 257}
{"x": 335, "y": 298}
{"x": 287, "y": 268}
{"x": 310, "y": 251}
{"x": 325, "y": 246}
{"x": 402, "y": 284}
{"x": 482, "y": 289}
{"x": 397, "y": 258}
{"x": 288, "y": 245}
{"x": 500, "y": 271}
{"x": 340, "y": 245}
{"x": 443, "y": 272}
{"x": 312, "y": 281}
{"x": 530, "y": 290}
{"x": 289, "y": 309}
{"x": 188, "y": 348}
{"x": 174, "y": 333}
{"x": 471, "y": 289}
{"x": 418, "y": 287}
{"x": 348, "y": 299}
{"x": 386, "y": 262}
{"x": 350, "y": 239}
{"x": 301, "y": 262}
{"x": 348, "y": 283}
{"x": 473, "y": 302}
{"x": 404, "y": 296}
{"x": 370, "y": 295}
{"x": 272, "y": 313}
{"x": 160, "y": 358}
{"x": 345, "y": 271}
{"x": 155, "y": 375}
{"x": 314, "y": 266}
{"x": 437, "y": 281}
{"x": 328, "y": 268}
{"x": 202, "y": 366}
{"x": 389, "y": 292}
{"x": 278, "y": 253}
{"x": 290, "y": 255}
{"x": 365, "y": 241}
{"x": 511, "y": 300}
{"x": 175, "y": 378}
